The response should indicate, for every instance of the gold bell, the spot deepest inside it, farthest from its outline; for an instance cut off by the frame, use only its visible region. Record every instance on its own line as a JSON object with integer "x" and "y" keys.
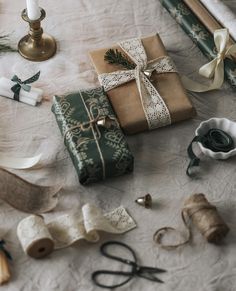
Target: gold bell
{"x": 145, "y": 201}
{"x": 106, "y": 122}
{"x": 148, "y": 73}
{"x": 102, "y": 122}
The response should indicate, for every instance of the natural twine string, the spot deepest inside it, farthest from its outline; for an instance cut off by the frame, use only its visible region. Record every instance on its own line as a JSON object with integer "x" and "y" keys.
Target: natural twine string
{"x": 203, "y": 215}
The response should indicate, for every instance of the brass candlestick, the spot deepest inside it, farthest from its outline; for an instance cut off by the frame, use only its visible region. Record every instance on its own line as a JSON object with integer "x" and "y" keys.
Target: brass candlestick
{"x": 36, "y": 46}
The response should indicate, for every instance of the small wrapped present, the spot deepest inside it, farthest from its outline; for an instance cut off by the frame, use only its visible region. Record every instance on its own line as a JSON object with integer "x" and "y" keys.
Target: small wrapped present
{"x": 149, "y": 94}
{"x": 92, "y": 135}
{"x": 21, "y": 91}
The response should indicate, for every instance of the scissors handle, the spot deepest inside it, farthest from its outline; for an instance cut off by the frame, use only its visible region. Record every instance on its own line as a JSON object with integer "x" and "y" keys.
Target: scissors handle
{"x": 119, "y": 259}
{"x": 96, "y": 274}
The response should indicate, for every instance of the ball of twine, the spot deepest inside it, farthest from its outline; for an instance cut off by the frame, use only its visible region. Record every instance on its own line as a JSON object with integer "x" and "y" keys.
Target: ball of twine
{"x": 204, "y": 216}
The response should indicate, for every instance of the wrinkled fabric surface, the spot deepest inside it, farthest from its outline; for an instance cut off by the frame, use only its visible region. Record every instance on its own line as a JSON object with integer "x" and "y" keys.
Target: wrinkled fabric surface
{"x": 160, "y": 155}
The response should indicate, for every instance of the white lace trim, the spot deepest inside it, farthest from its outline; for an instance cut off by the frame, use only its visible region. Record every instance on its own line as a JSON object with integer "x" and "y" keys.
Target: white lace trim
{"x": 155, "y": 109}
{"x": 135, "y": 50}
{"x": 112, "y": 80}
{"x": 70, "y": 228}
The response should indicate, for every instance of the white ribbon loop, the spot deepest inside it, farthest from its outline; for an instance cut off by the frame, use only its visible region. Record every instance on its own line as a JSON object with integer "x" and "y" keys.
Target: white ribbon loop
{"x": 215, "y": 68}
{"x": 155, "y": 109}
{"x": 18, "y": 163}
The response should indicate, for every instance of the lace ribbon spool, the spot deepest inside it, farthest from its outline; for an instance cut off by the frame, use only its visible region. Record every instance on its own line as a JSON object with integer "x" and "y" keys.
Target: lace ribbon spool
{"x": 204, "y": 216}
{"x": 39, "y": 239}
{"x": 40, "y": 242}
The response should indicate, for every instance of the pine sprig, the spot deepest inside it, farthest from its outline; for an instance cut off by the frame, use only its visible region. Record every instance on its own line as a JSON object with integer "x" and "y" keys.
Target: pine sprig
{"x": 4, "y": 46}
{"x": 115, "y": 57}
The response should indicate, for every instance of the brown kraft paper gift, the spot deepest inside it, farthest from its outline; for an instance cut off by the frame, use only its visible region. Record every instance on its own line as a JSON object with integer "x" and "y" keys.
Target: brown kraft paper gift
{"x": 126, "y": 100}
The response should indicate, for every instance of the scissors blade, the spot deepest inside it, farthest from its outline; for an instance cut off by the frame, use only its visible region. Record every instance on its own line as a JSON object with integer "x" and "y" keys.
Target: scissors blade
{"x": 150, "y": 277}
{"x": 152, "y": 270}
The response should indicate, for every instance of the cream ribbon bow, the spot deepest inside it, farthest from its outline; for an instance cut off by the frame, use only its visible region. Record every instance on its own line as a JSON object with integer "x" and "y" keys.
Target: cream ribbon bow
{"x": 215, "y": 68}
{"x": 155, "y": 109}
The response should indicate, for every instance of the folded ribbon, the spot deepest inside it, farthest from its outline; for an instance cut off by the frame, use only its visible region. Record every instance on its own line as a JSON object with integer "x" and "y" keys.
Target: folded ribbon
{"x": 215, "y": 139}
{"x": 215, "y": 68}
{"x": 22, "y": 85}
{"x": 18, "y": 163}
{"x": 155, "y": 109}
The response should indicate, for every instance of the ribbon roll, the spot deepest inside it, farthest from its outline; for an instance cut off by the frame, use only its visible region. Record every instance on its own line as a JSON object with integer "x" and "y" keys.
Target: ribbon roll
{"x": 42, "y": 244}
{"x": 215, "y": 68}
{"x": 39, "y": 239}
{"x": 25, "y": 196}
{"x": 215, "y": 139}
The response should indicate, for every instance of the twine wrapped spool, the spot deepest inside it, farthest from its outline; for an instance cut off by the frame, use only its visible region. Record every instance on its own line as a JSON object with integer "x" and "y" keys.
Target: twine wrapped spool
{"x": 34, "y": 237}
{"x": 205, "y": 217}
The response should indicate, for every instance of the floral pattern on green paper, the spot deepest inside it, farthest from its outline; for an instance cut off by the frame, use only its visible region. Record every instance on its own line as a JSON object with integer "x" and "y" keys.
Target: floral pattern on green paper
{"x": 178, "y": 12}
{"x": 92, "y": 157}
{"x": 232, "y": 76}
{"x": 197, "y": 33}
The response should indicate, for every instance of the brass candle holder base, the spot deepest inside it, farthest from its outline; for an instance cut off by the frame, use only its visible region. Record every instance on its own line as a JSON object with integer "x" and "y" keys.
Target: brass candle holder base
{"x": 36, "y": 46}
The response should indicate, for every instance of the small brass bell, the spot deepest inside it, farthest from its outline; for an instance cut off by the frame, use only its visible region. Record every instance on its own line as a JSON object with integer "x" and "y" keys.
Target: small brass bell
{"x": 148, "y": 73}
{"x": 106, "y": 122}
{"x": 145, "y": 201}
{"x": 102, "y": 122}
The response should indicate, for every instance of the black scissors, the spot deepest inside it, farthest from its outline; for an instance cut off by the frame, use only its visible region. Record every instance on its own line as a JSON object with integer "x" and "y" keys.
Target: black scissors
{"x": 136, "y": 270}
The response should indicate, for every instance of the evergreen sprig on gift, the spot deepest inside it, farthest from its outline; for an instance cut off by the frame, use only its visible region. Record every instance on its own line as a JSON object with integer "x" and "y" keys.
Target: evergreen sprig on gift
{"x": 115, "y": 57}
{"x": 4, "y": 46}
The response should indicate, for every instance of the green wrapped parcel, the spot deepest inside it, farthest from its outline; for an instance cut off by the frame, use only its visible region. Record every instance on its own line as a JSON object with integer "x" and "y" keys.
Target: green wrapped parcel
{"x": 92, "y": 135}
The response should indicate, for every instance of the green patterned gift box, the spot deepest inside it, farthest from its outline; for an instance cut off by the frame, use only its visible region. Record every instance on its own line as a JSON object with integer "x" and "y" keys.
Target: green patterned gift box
{"x": 199, "y": 34}
{"x": 92, "y": 135}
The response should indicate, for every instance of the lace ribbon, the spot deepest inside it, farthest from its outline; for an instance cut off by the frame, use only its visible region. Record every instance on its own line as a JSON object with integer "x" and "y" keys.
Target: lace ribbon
{"x": 155, "y": 109}
{"x": 39, "y": 239}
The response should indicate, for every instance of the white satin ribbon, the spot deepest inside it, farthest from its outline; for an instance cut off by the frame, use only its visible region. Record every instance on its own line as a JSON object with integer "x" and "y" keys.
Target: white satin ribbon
{"x": 214, "y": 69}
{"x": 155, "y": 109}
{"x": 18, "y": 163}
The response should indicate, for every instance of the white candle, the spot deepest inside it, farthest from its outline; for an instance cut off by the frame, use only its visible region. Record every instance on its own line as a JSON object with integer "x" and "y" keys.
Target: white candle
{"x": 33, "y": 10}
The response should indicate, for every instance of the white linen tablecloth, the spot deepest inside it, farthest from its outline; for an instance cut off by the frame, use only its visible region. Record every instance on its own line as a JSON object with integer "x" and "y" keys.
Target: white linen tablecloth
{"x": 160, "y": 155}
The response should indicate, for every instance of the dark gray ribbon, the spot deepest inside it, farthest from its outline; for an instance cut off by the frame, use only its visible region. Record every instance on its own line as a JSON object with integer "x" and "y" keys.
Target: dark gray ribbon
{"x": 215, "y": 139}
